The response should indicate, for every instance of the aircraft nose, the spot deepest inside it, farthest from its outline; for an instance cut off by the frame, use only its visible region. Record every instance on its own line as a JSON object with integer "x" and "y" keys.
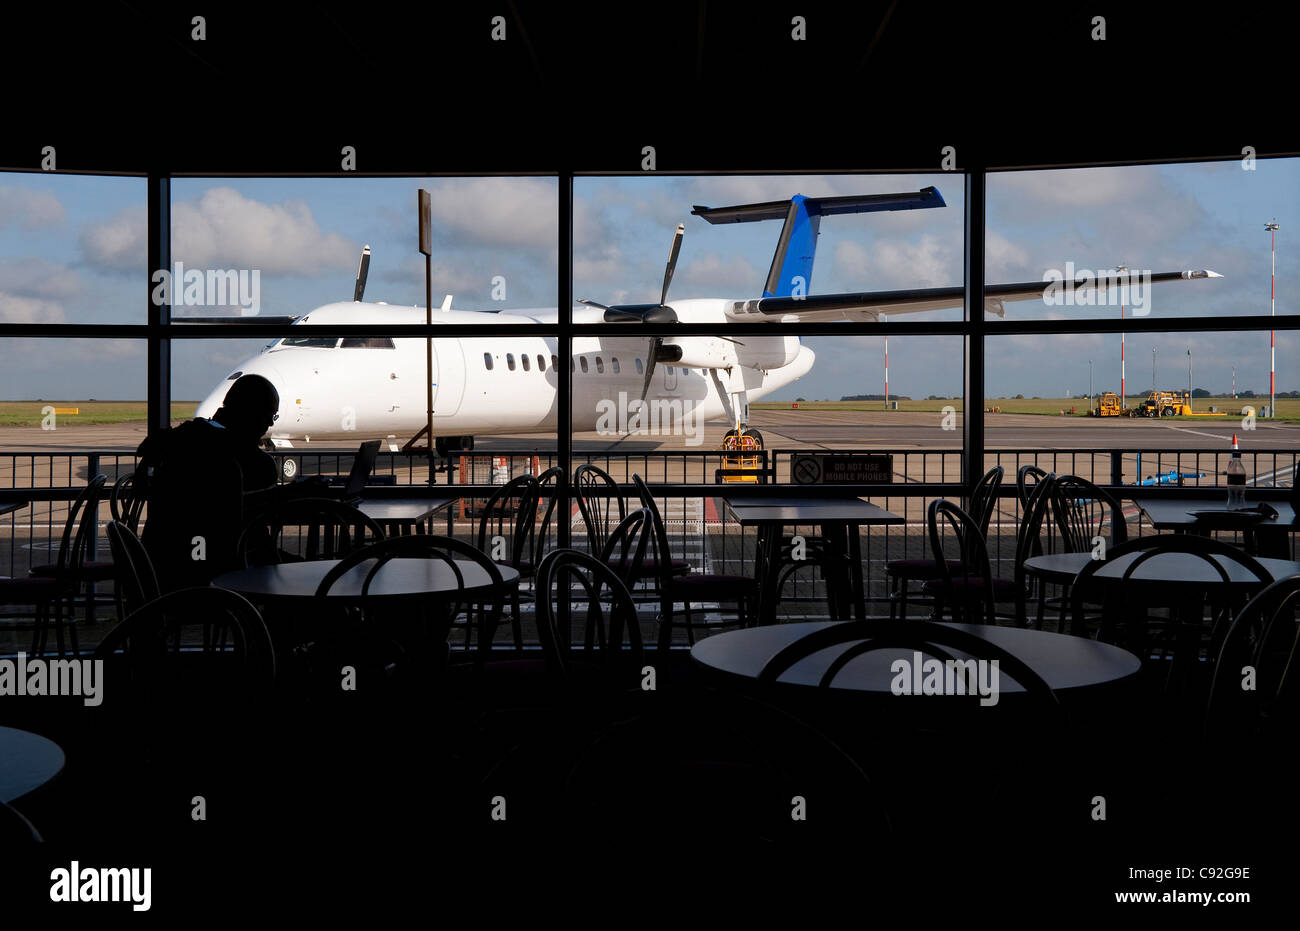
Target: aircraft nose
{"x": 209, "y": 405}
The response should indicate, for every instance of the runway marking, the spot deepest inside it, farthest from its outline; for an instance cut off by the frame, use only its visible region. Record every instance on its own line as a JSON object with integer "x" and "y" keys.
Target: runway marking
{"x": 1215, "y": 436}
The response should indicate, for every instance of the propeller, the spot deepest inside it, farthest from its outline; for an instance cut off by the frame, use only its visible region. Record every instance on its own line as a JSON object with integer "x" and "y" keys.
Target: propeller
{"x": 659, "y": 313}
{"x": 362, "y": 270}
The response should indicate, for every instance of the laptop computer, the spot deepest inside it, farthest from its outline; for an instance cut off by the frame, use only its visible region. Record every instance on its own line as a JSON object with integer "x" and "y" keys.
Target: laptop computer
{"x": 362, "y": 465}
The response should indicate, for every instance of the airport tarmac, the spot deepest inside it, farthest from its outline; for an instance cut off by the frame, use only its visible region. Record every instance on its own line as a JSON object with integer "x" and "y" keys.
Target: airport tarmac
{"x": 805, "y": 429}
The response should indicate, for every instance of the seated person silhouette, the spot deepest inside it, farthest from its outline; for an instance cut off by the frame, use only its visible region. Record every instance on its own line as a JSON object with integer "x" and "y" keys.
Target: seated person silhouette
{"x": 203, "y": 478}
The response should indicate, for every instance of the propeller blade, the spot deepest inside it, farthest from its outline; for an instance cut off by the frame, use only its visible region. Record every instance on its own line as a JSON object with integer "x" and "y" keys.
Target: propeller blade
{"x": 598, "y": 306}
{"x": 650, "y": 365}
{"x": 672, "y": 262}
{"x": 362, "y": 271}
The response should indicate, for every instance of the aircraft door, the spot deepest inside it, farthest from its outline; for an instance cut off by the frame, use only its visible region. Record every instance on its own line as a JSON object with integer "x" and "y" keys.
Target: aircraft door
{"x": 450, "y": 377}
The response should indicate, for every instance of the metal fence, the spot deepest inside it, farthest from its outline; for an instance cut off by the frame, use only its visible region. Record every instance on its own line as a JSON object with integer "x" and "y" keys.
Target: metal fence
{"x": 688, "y": 496}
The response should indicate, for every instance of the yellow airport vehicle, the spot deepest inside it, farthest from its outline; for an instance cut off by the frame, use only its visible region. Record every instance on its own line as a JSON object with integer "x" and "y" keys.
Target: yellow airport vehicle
{"x": 1108, "y": 406}
{"x": 1164, "y": 404}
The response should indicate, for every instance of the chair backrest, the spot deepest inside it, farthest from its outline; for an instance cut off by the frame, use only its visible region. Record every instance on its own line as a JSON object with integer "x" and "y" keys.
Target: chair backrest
{"x": 127, "y": 500}
{"x": 153, "y": 649}
{"x": 429, "y": 546}
{"x": 74, "y": 545}
{"x": 1254, "y": 690}
{"x": 135, "y": 583}
{"x": 974, "y": 557}
{"x": 551, "y": 485}
{"x": 663, "y": 555}
{"x": 1081, "y": 509}
{"x": 597, "y": 509}
{"x": 1027, "y": 478}
{"x": 510, "y": 514}
{"x": 926, "y": 637}
{"x": 625, "y": 548}
{"x": 334, "y": 530}
{"x": 1213, "y": 553}
{"x": 1028, "y": 535}
{"x": 984, "y": 498}
{"x": 610, "y": 615}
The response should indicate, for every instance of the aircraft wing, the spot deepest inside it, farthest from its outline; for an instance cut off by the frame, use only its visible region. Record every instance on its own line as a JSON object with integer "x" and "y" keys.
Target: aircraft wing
{"x": 869, "y": 305}
{"x": 255, "y": 319}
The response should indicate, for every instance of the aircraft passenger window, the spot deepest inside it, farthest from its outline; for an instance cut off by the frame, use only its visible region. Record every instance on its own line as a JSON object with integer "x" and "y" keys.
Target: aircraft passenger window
{"x": 310, "y": 342}
{"x": 555, "y": 362}
{"x": 615, "y": 364}
{"x": 368, "y": 342}
{"x": 600, "y": 366}
{"x": 670, "y": 370}
{"x": 541, "y": 362}
{"x": 524, "y": 359}
{"x": 510, "y": 361}
{"x": 571, "y": 365}
{"x": 638, "y": 366}
{"x": 583, "y": 362}
{"x": 487, "y": 361}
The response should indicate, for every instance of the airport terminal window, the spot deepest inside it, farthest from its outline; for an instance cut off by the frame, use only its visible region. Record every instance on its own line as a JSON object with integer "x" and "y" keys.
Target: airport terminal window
{"x": 600, "y": 366}
{"x": 510, "y": 361}
{"x": 583, "y": 362}
{"x": 368, "y": 342}
{"x": 487, "y": 361}
{"x": 524, "y": 359}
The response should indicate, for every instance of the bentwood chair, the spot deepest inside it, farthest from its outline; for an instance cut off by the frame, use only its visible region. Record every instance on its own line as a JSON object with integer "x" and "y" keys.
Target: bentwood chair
{"x": 333, "y": 530}
{"x": 506, "y": 532}
{"x": 135, "y": 583}
{"x": 695, "y": 588}
{"x": 903, "y": 571}
{"x": 74, "y": 572}
{"x": 966, "y": 584}
{"x": 127, "y": 501}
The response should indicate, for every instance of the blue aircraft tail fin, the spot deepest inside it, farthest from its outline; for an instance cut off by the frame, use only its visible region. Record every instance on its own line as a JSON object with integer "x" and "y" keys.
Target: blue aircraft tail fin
{"x": 792, "y": 263}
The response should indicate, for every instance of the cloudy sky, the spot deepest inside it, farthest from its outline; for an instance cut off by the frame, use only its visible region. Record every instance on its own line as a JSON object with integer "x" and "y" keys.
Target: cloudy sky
{"x": 72, "y": 249}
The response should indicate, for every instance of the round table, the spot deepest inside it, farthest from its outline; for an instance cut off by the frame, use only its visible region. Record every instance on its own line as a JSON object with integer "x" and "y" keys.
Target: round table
{"x": 27, "y": 762}
{"x": 1063, "y": 661}
{"x": 1165, "y": 568}
{"x": 402, "y": 578}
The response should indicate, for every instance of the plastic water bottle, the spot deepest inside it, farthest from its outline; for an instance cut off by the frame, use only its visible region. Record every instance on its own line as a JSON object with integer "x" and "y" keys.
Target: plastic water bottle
{"x": 1236, "y": 479}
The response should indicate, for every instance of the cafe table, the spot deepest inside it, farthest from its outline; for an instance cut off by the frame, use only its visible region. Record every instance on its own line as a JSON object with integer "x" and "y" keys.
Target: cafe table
{"x": 400, "y": 516}
{"x": 27, "y": 762}
{"x": 1202, "y": 516}
{"x": 838, "y": 519}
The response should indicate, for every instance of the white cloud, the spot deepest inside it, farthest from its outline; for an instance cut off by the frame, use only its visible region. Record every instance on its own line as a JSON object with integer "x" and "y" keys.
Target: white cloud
{"x": 15, "y": 308}
{"x": 35, "y": 277}
{"x": 29, "y": 210}
{"x": 224, "y": 229}
{"x": 512, "y": 212}
{"x": 711, "y": 271}
{"x": 928, "y": 262}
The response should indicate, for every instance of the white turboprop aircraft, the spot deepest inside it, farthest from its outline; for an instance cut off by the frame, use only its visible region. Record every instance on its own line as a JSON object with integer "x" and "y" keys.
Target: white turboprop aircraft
{"x": 375, "y": 386}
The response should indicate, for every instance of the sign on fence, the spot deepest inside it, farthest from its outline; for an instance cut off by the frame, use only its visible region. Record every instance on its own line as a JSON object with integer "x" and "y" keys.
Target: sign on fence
{"x": 842, "y": 470}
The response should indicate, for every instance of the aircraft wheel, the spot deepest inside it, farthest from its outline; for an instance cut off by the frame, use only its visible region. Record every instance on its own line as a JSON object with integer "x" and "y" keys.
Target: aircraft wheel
{"x": 289, "y": 468}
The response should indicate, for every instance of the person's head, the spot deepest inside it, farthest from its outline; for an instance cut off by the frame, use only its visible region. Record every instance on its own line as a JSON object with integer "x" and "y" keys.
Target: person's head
{"x": 250, "y": 407}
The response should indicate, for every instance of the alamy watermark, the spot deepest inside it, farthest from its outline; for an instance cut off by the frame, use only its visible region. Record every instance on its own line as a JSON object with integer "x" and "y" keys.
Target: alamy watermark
{"x": 655, "y": 417}
{"x": 919, "y": 676}
{"x": 1084, "y": 287}
{"x": 213, "y": 287}
{"x": 66, "y": 677}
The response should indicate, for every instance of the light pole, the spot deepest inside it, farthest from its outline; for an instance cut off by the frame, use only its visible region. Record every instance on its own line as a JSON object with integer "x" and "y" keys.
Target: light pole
{"x": 1189, "y": 378}
{"x": 1089, "y": 383}
{"x": 1234, "y": 381}
{"x": 882, "y": 320}
{"x": 1153, "y": 368}
{"x": 1272, "y": 229}
{"x": 1123, "y": 388}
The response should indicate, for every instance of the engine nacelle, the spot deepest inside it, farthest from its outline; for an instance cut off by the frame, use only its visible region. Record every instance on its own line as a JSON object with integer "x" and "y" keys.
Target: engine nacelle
{"x": 711, "y": 352}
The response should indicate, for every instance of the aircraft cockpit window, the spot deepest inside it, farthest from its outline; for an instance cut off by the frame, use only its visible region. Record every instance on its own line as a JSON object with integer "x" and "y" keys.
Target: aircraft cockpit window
{"x": 527, "y": 364}
{"x": 234, "y": 376}
{"x": 510, "y": 361}
{"x": 310, "y": 342}
{"x": 368, "y": 342}
{"x": 487, "y": 361}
